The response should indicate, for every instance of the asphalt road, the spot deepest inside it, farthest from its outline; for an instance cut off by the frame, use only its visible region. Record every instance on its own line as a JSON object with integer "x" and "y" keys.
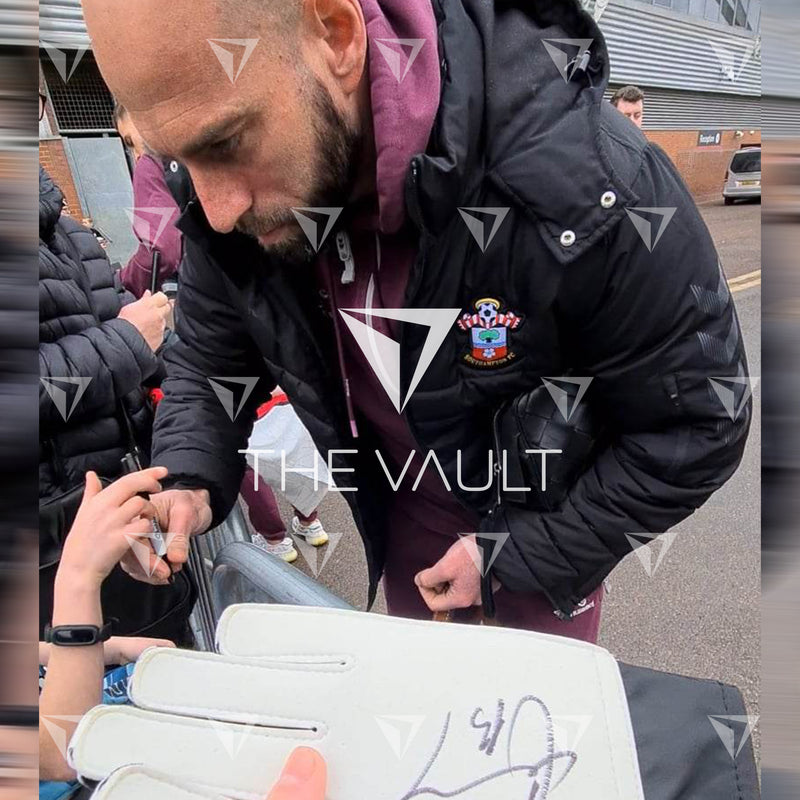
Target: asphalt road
{"x": 697, "y": 613}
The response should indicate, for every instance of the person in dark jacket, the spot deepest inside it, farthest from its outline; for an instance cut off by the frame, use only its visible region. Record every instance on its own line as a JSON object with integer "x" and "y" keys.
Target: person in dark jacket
{"x": 502, "y": 224}
{"x": 97, "y": 349}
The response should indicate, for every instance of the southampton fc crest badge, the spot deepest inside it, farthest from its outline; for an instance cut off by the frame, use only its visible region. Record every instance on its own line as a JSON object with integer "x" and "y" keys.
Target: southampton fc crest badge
{"x": 490, "y": 333}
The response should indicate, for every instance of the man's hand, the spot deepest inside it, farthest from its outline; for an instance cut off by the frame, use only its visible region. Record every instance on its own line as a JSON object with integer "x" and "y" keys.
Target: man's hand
{"x": 149, "y": 317}
{"x": 181, "y": 513}
{"x": 454, "y": 581}
{"x": 303, "y": 778}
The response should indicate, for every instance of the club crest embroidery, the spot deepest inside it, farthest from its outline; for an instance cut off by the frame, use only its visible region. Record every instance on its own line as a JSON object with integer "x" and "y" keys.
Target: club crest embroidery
{"x": 490, "y": 333}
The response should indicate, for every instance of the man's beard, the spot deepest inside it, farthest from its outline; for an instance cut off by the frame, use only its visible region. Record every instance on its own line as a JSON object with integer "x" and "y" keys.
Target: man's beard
{"x": 338, "y": 155}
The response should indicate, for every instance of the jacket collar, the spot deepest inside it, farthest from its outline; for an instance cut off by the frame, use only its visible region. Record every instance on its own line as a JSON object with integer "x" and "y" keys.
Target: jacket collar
{"x": 508, "y": 116}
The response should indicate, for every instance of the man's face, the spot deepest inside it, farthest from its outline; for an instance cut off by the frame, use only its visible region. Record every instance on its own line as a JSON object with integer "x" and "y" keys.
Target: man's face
{"x": 283, "y": 134}
{"x": 633, "y": 111}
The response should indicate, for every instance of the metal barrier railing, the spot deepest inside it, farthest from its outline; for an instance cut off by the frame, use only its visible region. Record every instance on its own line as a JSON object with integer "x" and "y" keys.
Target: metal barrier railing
{"x": 229, "y": 569}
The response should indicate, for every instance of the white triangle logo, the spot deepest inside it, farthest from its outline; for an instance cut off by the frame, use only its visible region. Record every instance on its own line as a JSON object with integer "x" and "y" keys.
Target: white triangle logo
{"x": 643, "y": 222}
{"x": 400, "y": 54}
{"x": 149, "y": 223}
{"x": 734, "y": 393}
{"x": 476, "y": 220}
{"x": 383, "y": 353}
{"x": 567, "y": 54}
{"x": 317, "y": 230}
{"x": 317, "y": 557}
{"x": 144, "y": 552}
{"x": 227, "y": 396}
{"x": 727, "y": 734}
{"x": 59, "y": 395}
{"x": 492, "y": 540}
{"x": 561, "y": 397}
{"x": 58, "y": 55}
{"x": 58, "y": 733}
{"x": 232, "y": 736}
{"x": 569, "y": 729}
{"x": 651, "y": 548}
{"x": 399, "y": 730}
{"x": 226, "y": 57}
{"x": 727, "y": 57}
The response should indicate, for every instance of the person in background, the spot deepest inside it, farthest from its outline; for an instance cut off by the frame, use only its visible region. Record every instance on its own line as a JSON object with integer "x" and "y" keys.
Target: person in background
{"x": 629, "y": 100}
{"x": 155, "y": 213}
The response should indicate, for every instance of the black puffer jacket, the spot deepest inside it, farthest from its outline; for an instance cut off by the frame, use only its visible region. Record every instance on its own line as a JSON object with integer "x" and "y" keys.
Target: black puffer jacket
{"x": 652, "y": 325}
{"x": 81, "y": 337}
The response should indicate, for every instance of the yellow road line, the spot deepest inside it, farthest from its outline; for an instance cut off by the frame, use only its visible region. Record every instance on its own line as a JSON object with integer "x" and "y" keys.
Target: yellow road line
{"x": 747, "y": 281}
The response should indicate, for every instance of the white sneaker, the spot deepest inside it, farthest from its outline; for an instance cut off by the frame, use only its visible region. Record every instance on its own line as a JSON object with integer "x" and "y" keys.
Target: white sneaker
{"x": 313, "y": 533}
{"x": 283, "y": 550}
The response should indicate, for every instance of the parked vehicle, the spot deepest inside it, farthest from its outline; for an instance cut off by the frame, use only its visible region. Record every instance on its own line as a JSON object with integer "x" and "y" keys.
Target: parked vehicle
{"x": 743, "y": 177}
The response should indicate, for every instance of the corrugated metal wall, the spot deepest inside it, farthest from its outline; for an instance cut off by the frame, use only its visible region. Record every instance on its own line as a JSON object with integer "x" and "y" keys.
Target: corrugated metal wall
{"x": 61, "y": 22}
{"x": 672, "y": 110}
{"x": 780, "y": 118}
{"x": 652, "y": 47}
{"x": 18, "y": 23}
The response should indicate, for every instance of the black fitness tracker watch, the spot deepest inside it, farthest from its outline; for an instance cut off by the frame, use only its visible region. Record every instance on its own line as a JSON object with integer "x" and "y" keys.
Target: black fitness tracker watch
{"x": 77, "y": 635}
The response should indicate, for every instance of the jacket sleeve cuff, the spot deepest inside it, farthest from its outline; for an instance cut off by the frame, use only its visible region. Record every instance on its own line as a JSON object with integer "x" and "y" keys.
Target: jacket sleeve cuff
{"x": 146, "y": 359}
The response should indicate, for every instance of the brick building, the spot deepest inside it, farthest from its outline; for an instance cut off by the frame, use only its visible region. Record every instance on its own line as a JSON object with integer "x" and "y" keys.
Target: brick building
{"x": 699, "y": 65}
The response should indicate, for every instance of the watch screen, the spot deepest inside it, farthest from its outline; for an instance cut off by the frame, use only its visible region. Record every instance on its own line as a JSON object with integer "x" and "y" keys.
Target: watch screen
{"x": 76, "y": 636}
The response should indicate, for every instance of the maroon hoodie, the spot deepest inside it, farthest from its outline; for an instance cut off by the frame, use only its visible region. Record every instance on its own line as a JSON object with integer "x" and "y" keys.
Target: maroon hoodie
{"x": 384, "y": 247}
{"x": 421, "y": 524}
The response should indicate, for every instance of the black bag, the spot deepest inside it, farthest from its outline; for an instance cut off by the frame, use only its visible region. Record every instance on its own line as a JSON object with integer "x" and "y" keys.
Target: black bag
{"x": 533, "y": 422}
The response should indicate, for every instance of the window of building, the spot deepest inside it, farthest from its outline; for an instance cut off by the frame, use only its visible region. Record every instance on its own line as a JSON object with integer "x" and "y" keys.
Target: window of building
{"x": 83, "y": 102}
{"x": 737, "y": 13}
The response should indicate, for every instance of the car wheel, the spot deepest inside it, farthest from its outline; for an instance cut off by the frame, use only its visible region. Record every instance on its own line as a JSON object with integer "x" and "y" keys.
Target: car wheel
{"x": 728, "y": 201}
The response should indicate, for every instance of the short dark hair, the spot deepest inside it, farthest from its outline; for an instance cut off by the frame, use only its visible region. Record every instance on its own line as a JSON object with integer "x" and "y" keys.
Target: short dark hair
{"x": 630, "y": 94}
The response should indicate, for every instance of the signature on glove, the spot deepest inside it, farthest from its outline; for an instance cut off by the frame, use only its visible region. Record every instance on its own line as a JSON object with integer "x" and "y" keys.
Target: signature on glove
{"x": 542, "y": 772}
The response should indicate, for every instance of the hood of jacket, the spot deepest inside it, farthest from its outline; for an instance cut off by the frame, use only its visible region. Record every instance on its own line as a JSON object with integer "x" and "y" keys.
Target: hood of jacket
{"x": 51, "y": 200}
{"x": 405, "y": 86}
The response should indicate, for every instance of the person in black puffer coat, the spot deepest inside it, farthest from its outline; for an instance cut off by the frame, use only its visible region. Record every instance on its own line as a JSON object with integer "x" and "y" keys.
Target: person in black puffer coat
{"x": 91, "y": 329}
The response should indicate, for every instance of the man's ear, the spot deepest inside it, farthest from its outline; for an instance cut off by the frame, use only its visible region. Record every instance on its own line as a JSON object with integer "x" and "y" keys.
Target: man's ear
{"x": 338, "y": 34}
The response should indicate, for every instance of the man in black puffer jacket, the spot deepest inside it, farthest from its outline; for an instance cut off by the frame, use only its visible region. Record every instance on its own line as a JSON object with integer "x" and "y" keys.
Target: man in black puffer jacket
{"x": 97, "y": 348}
{"x": 408, "y": 215}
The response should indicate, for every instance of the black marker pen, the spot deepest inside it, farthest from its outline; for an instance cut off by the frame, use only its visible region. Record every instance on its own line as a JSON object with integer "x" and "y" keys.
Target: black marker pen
{"x": 131, "y": 463}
